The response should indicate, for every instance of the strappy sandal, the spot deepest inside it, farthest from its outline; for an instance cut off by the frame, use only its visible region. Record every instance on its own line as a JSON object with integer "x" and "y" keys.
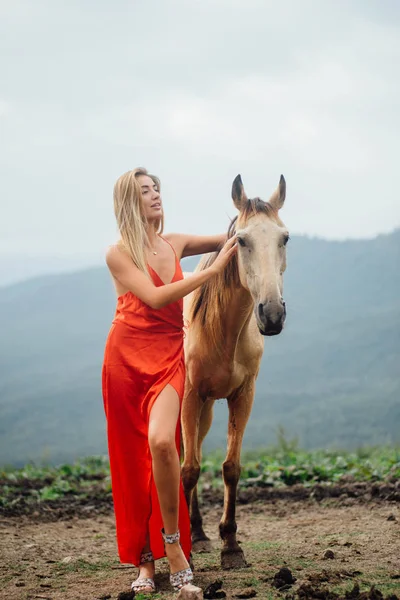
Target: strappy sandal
{"x": 180, "y": 578}
{"x": 145, "y": 585}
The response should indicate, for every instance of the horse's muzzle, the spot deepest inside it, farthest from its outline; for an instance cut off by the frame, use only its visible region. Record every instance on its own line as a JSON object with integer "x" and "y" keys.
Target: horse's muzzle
{"x": 271, "y": 321}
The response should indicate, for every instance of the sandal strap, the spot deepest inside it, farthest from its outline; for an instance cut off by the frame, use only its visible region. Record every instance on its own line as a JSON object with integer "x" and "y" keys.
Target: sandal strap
{"x": 144, "y": 582}
{"x": 181, "y": 578}
{"x": 146, "y": 557}
{"x": 171, "y": 538}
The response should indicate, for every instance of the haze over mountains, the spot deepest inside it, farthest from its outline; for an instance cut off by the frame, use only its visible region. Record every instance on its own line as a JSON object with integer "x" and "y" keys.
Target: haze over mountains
{"x": 19, "y": 267}
{"x": 331, "y": 378}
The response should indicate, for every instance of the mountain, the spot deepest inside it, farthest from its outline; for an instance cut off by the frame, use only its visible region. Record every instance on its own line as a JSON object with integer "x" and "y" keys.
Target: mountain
{"x": 331, "y": 378}
{"x": 19, "y": 267}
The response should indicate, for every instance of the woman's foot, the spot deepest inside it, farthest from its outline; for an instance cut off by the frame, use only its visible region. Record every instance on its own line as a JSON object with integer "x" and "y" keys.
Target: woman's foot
{"x": 145, "y": 581}
{"x": 181, "y": 573}
{"x": 176, "y": 558}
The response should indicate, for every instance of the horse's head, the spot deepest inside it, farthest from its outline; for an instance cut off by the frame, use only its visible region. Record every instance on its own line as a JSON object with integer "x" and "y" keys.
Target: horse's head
{"x": 262, "y": 239}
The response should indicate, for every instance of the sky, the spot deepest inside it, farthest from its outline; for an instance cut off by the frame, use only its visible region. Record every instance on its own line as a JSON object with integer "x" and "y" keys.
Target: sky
{"x": 196, "y": 91}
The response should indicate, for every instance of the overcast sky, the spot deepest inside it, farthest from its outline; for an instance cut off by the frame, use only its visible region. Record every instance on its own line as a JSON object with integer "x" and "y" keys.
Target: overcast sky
{"x": 196, "y": 91}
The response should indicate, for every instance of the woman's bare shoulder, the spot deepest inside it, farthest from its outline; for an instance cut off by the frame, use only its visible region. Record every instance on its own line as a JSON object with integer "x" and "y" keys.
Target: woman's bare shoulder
{"x": 177, "y": 240}
{"x": 115, "y": 252}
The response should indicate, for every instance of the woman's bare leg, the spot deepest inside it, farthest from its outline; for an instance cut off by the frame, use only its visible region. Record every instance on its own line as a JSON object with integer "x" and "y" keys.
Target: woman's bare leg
{"x": 166, "y": 468}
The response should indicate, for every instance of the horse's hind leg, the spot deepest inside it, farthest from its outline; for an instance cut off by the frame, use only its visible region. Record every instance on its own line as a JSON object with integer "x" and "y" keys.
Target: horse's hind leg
{"x": 201, "y": 542}
{"x": 194, "y": 411}
{"x": 239, "y": 404}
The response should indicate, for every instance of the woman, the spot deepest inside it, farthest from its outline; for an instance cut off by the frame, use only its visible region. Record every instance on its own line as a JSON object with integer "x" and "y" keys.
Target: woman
{"x": 143, "y": 378}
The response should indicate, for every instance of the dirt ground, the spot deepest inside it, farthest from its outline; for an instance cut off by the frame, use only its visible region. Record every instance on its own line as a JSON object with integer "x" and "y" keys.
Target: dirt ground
{"x": 77, "y": 559}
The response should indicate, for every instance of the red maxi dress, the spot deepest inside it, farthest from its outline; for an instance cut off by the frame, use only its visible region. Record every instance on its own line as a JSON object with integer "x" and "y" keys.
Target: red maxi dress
{"x": 143, "y": 353}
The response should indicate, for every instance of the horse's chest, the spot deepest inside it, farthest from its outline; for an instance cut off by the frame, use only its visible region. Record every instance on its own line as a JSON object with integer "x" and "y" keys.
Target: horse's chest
{"x": 218, "y": 381}
{"x": 217, "y": 374}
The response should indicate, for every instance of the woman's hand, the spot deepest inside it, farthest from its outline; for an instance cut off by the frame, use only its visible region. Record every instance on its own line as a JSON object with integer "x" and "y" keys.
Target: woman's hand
{"x": 225, "y": 255}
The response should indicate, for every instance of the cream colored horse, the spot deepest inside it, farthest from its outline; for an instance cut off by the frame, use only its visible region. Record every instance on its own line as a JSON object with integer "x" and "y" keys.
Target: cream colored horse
{"x": 228, "y": 317}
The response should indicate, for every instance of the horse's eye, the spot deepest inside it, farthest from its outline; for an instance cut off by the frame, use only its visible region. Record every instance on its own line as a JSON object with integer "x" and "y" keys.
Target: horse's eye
{"x": 286, "y": 239}
{"x": 241, "y": 242}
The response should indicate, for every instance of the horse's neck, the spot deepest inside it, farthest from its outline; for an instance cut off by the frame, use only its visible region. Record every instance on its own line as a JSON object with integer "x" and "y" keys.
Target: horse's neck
{"x": 237, "y": 318}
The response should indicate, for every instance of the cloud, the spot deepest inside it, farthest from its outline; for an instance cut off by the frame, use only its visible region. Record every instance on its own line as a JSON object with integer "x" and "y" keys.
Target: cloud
{"x": 197, "y": 91}
{"x": 251, "y": 117}
{"x": 5, "y": 108}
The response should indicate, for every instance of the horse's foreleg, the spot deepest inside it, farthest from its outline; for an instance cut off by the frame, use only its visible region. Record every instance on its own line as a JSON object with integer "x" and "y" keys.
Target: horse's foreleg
{"x": 239, "y": 404}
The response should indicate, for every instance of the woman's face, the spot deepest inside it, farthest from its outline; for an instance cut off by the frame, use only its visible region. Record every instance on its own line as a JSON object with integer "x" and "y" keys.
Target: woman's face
{"x": 152, "y": 205}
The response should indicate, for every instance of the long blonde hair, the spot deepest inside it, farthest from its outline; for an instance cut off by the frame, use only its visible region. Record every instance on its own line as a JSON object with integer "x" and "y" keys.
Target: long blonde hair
{"x": 131, "y": 220}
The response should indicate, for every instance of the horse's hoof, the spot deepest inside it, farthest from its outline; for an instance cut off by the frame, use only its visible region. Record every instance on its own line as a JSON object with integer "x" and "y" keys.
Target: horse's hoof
{"x": 202, "y": 546}
{"x": 233, "y": 559}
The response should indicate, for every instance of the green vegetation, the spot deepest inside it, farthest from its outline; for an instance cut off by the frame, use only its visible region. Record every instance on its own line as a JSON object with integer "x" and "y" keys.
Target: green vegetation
{"x": 278, "y": 467}
{"x": 35, "y": 484}
{"x": 282, "y": 466}
{"x": 85, "y": 566}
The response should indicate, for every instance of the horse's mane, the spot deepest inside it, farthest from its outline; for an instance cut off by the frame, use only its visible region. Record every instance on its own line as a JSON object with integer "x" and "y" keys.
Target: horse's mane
{"x": 213, "y": 297}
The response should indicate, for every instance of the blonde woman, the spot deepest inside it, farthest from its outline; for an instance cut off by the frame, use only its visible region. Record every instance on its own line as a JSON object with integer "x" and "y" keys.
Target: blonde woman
{"x": 143, "y": 378}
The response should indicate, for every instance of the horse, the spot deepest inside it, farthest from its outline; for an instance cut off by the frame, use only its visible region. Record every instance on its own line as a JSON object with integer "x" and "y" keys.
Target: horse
{"x": 228, "y": 317}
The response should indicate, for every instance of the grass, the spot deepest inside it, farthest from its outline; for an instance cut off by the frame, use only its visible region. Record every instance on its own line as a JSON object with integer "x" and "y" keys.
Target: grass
{"x": 265, "y": 545}
{"x": 84, "y": 566}
{"x": 284, "y": 465}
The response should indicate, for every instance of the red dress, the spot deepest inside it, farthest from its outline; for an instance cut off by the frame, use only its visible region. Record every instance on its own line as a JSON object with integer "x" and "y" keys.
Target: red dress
{"x": 143, "y": 353}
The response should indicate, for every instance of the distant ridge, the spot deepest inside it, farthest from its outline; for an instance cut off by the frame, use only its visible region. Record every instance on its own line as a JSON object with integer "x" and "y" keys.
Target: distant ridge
{"x": 331, "y": 378}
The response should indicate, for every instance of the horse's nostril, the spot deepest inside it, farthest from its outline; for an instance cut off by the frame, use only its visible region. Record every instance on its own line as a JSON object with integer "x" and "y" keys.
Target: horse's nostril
{"x": 261, "y": 310}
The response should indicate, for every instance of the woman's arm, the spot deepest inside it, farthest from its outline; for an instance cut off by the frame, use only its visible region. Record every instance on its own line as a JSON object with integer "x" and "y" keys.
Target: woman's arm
{"x": 134, "y": 280}
{"x": 190, "y": 245}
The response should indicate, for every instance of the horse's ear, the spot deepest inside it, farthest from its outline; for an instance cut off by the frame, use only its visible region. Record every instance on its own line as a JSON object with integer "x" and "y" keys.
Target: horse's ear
{"x": 238, "y": 194}
{"x": 278, "y": 197}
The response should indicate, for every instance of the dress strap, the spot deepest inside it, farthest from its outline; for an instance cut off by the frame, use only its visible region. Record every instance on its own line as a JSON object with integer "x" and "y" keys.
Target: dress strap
{"x": 169, "y": 243}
